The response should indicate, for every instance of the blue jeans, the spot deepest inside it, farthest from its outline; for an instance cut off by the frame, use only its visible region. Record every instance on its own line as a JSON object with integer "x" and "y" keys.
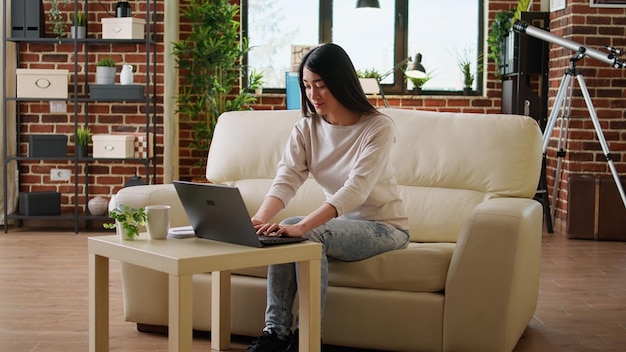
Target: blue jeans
{"x": 346, "y": 240}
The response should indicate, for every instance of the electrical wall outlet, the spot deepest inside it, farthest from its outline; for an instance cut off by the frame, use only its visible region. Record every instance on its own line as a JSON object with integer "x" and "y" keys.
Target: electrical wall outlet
{"x": 58, "y": 106}
{"x": 60, "y": 175}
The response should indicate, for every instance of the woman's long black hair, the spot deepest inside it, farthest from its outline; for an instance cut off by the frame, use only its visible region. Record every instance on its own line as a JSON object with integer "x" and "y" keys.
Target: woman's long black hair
{"x": 335, "y": 68}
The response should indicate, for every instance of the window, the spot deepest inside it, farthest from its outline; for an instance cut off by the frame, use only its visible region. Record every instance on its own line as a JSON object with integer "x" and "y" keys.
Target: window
{"x": 379, "y": 39}
{"x": 272, "y": 28}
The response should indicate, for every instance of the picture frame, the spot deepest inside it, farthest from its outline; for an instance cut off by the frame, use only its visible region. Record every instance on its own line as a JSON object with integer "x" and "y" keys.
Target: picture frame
{"x": 607, "y": 3}
{"x": 297, "y": 54}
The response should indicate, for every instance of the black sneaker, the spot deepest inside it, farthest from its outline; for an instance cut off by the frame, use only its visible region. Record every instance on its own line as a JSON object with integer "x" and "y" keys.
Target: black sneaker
{"x": 268, "y": 342}
{"x": 295, "y": 342}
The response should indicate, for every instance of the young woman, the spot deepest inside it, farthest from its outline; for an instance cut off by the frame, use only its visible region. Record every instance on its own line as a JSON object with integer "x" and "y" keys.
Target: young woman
{"x": 344, "y": 143}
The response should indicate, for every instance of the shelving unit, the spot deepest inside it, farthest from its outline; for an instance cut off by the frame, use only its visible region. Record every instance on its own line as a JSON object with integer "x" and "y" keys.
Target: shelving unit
{"x": 80, "y": 80}
{"x": 525, "y": 71}
{"x": 525, "y": 86}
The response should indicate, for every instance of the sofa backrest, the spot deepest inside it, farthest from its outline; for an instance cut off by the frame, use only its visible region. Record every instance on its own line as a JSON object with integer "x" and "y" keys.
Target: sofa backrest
{"x": 446, "y": 163}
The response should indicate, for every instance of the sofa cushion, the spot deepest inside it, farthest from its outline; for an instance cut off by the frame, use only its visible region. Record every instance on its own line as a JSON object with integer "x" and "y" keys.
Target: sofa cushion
{"x": 464, "y": 151}
{"x": 232, "y": 159}
{"x": 422, "y": 267}
{"x": 446, "y": 210}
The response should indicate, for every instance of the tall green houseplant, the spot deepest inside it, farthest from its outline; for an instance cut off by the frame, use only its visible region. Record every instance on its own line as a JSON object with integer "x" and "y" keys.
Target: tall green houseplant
{"x": 209, "y": 62}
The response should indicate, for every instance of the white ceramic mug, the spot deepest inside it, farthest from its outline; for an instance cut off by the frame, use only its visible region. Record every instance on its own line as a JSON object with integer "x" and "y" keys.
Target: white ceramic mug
{"x": 158, "y": 222}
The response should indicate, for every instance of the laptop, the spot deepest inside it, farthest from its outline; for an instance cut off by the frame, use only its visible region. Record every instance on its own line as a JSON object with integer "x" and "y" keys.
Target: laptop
{"x": 217, "y": 212}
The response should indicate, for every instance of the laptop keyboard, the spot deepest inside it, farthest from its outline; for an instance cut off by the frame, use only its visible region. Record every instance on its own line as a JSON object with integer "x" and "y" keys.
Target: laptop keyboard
{"x": 279, "y": 239}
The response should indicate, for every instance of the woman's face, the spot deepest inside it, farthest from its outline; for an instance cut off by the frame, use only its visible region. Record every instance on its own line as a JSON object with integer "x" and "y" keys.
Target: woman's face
{"x": 318, "y": 94}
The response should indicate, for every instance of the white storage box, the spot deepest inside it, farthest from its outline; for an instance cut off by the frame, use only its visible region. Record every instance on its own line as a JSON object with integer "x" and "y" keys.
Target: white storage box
{"x": 39, "y": 83}
{"x": 113, "y": 146}
{"x": 123, "y": 28}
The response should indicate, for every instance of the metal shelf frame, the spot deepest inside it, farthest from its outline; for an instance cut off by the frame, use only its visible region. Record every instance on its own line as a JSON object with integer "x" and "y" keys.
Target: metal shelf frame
{"x": 82, "y": 47}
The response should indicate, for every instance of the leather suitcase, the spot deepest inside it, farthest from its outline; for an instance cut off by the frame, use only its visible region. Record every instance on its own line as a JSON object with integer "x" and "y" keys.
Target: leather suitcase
{"x": 595, "y": 209}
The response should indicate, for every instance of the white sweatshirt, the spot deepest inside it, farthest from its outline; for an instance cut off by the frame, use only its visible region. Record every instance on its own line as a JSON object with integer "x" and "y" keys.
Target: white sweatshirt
{"x": 351, "y": 163}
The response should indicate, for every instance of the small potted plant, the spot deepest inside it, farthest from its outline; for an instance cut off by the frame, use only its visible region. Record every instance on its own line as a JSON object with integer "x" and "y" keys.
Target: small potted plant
{"x": 79, "y": 28}
{"x": 418, "y": 82}
{"x": 127, "y": 221}
{"x": 105, "y": 71}
{"x": 255, "y": 82}
{"x": 466, "y": 63}
{"x": 83, "y": 138}
{"x": 56, "y": 17}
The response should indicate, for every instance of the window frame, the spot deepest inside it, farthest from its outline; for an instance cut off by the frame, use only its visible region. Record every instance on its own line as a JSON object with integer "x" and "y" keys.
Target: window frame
{"x": 399, "y": 87}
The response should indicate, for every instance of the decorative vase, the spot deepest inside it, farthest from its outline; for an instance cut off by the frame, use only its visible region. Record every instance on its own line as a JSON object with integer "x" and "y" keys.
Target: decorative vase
{"x": 126, "y": 76}
{"x": 97, "y": 205}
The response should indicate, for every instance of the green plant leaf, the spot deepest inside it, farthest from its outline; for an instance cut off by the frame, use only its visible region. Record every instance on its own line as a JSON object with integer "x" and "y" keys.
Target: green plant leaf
{"x": 57, "y": 18}
{"x": 129, "y": 218}
{"x": 498, "y": 30}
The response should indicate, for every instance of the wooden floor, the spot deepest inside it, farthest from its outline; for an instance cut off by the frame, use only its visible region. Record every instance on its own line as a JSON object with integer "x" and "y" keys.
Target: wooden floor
{"x": 44, "y": 303}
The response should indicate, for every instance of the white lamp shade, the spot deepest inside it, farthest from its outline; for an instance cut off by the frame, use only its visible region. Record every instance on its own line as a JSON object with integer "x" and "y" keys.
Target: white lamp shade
{"x": 415, "y": 74}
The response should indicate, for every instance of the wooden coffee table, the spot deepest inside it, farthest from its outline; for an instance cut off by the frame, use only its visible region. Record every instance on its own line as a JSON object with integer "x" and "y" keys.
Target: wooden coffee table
{"x": 180, "y": 259}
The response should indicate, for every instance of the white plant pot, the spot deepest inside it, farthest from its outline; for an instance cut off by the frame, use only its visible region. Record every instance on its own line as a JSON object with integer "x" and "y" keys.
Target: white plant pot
{"x": 105, "y": 75}
{"x": 78, "y": 32}
{"x": 122, "y": 232}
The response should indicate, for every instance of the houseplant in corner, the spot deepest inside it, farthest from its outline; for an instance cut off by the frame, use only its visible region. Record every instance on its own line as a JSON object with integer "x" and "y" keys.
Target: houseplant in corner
{"x": 127, "y": 221}
{"x": 209, "y": 62}
{"x": 83, "y": 138}
{"x": 105, "y": 71}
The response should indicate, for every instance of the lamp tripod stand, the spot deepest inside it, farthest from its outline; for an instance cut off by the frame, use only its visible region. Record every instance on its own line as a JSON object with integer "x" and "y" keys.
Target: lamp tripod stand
{"x": 384, "y": 75}
{"x": 564, "y": 103}
{"x": 416, "y": 71}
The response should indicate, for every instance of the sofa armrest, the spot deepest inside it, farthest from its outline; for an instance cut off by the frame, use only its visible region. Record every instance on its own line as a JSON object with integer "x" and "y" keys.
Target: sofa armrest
{"x": 493, "y": 280}
{"x": 141, "y": 196}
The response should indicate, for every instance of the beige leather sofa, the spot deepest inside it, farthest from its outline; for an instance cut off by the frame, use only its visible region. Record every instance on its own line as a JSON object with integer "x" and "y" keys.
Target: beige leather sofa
{"x": 467, "y": 282}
